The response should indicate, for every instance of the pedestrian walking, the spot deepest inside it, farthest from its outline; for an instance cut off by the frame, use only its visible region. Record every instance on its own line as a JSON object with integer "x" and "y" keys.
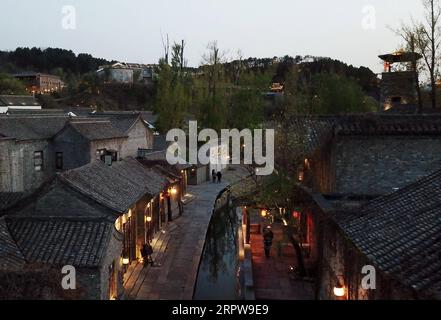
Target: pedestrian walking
{"x": 268, "y": 237}
{"x": 219, "y": 177}
{"x": 213, "y": 175}
{"x": 146, "y": 253}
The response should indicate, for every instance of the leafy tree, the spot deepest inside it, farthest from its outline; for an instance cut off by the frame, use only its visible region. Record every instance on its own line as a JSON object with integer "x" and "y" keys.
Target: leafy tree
{"x": 173, "y": 95}
{"x": 213, "y": 96}
{"x": 334, "y": 94}
{"x": 50, "y": 59}
{"x": 10, "y": 85}
{"x": 246, "y": 109}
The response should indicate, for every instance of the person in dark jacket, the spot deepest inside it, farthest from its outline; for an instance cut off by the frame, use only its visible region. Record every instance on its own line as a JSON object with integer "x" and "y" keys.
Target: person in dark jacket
{"x": 268, "y": 237}
{"x": 146, "y": 252}
{"x": 213, "y": 175}
{"x": 219, "y": 176}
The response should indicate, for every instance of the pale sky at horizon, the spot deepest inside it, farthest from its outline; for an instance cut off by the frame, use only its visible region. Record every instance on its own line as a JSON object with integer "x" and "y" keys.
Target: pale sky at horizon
{"x": 130, "y": 30}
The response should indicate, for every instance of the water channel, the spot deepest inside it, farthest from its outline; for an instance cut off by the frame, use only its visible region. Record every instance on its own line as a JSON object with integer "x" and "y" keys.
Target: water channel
{"x": 218, "y": 277}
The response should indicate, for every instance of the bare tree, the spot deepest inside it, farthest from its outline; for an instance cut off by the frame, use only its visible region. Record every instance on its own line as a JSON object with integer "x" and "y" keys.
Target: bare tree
{"x": 166, "y": 47}
{"x": 410, "y": 34}
{"x": 428, "y": 41}
{"x": 214, "y": 59}
{"x": 178, "y": 61}
{"x": 237, "y": 68}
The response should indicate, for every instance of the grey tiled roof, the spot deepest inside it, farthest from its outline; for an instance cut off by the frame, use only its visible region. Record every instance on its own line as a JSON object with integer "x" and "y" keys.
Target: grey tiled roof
{"x": 10, "y": 255}
{"x": 61, "y": 242}
{"x": 39, "y": 112}
{"x": 123, "y": 121}
{"x": 160, "y": 157}
{"x": 31, "y": 127}
{"x": 61, "y": 201}
{"x": 8, "y": 199}
{"x": 118, "y": 186}
{"x": 313, "y": 132}
{"x": 10, "y": 100}
{"x": 151, "y": 180}
{"x": 401, "y": 233}
{"x": 97, "y": 129}
{"x": 389, "y": 125}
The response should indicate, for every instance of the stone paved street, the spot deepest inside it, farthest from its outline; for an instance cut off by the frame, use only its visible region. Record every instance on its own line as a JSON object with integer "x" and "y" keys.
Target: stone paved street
{"x": 271, "y": 275}
{"x": 177, "y": 252}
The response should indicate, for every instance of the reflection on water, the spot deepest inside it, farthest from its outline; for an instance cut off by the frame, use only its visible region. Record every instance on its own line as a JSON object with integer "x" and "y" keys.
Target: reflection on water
{"x": 217, "y": 277}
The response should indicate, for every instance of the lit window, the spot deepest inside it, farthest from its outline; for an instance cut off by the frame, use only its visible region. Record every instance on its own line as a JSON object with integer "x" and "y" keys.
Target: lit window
{"x": 100, "y": 153}
{"x": 38, "y": 160}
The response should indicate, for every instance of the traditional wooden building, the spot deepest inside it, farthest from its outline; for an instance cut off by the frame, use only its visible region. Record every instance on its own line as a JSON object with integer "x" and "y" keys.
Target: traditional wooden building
{"x": 95, "y": 218}
{"x": 349, "y": 161}
{"x": 397, "y": 234}
{"x": 84, "y": 140}
{"x": 60, "y": 227}
{"x": 132, "y": 124}
{"x": 26, "y": 159}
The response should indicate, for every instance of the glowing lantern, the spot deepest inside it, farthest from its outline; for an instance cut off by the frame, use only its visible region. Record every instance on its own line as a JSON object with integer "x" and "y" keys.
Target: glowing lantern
{"x": 339, "y": 291}
{"x": 263, "y": 213}
{"x": 148, "y": 219}
{"x": 173, "y": 191}
{"x": 296, "y": 214}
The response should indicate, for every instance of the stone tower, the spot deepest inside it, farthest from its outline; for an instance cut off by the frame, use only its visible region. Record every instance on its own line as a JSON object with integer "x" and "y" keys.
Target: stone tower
{"x": 398, "y": 83}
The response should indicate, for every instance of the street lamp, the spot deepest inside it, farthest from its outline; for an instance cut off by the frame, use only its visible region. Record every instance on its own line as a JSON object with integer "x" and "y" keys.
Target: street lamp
{"x": 125, "y": 263}
{"x": 148, "y": 220}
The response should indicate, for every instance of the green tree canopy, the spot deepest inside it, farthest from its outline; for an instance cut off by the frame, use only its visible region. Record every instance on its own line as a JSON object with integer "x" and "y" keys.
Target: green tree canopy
{"x": 10, "y": 85}
{"x": 335, "y": 94}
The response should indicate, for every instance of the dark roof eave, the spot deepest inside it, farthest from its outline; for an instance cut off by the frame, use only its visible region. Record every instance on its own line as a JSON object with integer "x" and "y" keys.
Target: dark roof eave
{"x": 102, "y": 139}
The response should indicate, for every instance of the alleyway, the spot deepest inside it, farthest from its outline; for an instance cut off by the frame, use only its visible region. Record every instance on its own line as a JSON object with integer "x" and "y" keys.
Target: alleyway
{"x": 272, "y": 276}
{"x": 177, "y": 252}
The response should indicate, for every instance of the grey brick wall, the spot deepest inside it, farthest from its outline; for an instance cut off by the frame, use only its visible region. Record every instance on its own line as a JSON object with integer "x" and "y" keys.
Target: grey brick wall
{"x": 398, "y": 84}
{"x": 113, "y": 254}
{"x": 75, "y": 148}
{"x": 17, "y": 167}
{"x": 6, "y": 175}
{"x": 139, "y": 137}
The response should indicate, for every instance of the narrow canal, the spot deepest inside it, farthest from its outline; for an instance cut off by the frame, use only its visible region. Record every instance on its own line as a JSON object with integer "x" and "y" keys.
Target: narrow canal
{"x": 219, "y": 268}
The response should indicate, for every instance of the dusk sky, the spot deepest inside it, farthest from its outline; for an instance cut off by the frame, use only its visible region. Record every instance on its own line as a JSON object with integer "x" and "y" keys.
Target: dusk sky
{"x": 130, "y": 30}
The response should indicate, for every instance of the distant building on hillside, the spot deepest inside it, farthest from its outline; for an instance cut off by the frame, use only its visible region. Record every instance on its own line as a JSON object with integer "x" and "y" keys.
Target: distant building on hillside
{"x": 127, "y": 73}
{"x": 39, "y": 82}
{"x": 276, "y": 87}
